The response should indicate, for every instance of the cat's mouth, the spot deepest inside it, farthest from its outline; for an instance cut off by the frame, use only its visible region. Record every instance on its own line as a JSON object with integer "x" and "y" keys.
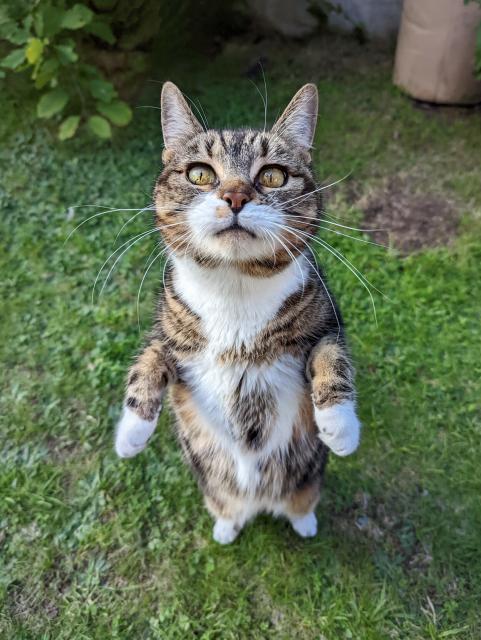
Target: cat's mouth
{"x": 236, "y": 229}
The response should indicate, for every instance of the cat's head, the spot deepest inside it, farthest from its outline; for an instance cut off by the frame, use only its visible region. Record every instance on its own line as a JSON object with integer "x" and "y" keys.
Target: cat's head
{"x": 243, "y": 197}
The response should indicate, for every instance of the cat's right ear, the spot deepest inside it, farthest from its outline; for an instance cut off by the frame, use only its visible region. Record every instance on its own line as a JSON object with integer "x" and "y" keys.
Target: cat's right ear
{"x": 178, "y": 121}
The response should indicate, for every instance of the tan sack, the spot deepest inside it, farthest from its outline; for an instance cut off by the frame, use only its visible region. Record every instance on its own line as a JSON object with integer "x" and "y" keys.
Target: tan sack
{"x": 435, "y": 51}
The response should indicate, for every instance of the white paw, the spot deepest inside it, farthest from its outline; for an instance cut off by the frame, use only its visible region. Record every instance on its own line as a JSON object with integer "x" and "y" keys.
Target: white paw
{"x": 132, "y": 434}
{"x": 305, "y": 526}
{"x": 225, "y": 531}
{"x": 339, "y": 427}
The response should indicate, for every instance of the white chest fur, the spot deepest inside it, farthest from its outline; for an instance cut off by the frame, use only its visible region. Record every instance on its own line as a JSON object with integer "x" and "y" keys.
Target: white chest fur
{"x": 233, "y": 309}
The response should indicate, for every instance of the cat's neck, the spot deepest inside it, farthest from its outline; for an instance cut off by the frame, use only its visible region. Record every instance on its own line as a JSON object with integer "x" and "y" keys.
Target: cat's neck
{"x": 227, "y": 283}
{"x": 232, "y": 306}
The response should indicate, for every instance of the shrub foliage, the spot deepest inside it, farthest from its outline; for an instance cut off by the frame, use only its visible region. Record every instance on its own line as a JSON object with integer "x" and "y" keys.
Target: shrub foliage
{"x": 72, "y": 53}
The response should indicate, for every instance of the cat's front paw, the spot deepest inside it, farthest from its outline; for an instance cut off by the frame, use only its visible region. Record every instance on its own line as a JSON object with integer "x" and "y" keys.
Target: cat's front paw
{"x": 339, "y": 427}
{"x": 132, "y": 433}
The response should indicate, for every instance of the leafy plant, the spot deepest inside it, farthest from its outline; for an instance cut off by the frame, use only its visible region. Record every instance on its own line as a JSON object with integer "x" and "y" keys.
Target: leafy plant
{"x": 51, "y": 43}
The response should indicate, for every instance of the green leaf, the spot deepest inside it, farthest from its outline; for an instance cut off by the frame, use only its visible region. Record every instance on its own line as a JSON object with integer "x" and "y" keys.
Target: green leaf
{"x": 51, "y": 103}
{"x": 118, "y": 112}
{"x": 68, "y": 127}
{"x": 34, "y": 50}
{"x": 38, "y": 23}
{"x": 66, "y": 53}
{"x": 100, "y": 127}
{"x": 102, "y": 90}
{"x": 14, "y": 59}
{"x": 48, "y": 22}
{"x": 46, "y": 72}
{"x": 11, "y": 32}
{"x": 77, "y": 17}
{"x": 101, "y": 30}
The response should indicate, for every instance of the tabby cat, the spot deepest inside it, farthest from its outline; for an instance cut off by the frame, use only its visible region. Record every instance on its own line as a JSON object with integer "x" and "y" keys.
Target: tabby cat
{"x": 247, "y": 338}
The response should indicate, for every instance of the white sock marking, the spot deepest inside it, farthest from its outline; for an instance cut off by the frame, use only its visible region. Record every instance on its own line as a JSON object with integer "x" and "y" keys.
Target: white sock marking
{"x": 305, "y": 526}
{"x": 225, "y": 531}
{"x": 132, "y": 433}
{"x": 339, "y": 427}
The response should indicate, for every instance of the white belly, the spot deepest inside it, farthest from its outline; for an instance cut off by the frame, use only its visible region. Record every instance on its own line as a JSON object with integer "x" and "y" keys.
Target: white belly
{"x": 214, "y": 386}
{"x": 233, "y": 309}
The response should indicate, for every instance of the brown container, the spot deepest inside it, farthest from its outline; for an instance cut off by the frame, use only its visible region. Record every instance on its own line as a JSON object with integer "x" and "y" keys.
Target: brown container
{"x": 435, "y": 51}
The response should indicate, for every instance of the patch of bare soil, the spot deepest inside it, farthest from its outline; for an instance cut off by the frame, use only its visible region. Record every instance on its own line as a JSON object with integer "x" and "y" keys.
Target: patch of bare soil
{"x": 381, "y": 526}
{"x": 410, "y": 220}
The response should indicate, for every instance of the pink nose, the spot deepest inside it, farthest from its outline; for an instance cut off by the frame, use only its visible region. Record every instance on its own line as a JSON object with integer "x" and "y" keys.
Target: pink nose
{"x": 236, "y": 200}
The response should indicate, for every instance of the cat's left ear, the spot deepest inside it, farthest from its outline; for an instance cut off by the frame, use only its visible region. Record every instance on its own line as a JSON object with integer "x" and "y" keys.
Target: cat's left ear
{"x": 178, "y": 121}
{"x": 299, "y": 120}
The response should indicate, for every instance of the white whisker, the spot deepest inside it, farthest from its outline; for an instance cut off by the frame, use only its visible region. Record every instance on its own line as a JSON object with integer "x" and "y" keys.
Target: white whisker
{"x": 296, "y": 261}
{"x": 316, "y": 271}
{"x": 345, "y": 235}
{"x": 303, "y": 196}
{"x": 136, "y": 239}
{"x": 362, "y": 279}
{"x": 169, "y": 255}
{"x": 265, "y": 93}
{"x": 343, "y": 226}
{"x": 156, "y": 257}
{"x": 204, "y": 124}
{"x": 131, "y": 220}
{"x": 324, "y": 242}
{"x": 263, "y": 102}
{"x": 96, "y": 215}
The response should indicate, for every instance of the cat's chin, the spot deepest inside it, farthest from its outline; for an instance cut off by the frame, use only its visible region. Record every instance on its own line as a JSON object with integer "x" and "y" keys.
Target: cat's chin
{"x": 235, "y": 233}
{"x": 236, "y": 244}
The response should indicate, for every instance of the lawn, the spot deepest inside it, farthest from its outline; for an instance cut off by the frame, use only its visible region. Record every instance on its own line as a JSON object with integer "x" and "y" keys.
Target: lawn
{"x": 95, "y": 547}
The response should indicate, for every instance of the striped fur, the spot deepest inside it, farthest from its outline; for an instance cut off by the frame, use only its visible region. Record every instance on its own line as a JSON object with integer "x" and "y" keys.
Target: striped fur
{"x": 247, "y": 338}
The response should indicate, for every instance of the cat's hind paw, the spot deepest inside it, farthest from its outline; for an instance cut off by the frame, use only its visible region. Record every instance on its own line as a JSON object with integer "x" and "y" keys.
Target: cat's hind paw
{"x": 305, "y": 526}
{"x": 132, "y": 433}
{"x": 339, "y": 427}
{"x": 225, "y": 531}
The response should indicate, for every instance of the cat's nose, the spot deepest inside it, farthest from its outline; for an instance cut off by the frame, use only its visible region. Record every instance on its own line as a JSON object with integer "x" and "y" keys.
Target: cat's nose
{"x": 236, "y": 199}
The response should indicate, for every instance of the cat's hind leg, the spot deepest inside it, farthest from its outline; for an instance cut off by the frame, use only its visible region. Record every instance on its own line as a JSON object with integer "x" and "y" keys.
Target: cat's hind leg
{"x": 230, "y": 514}
{"x": 299, "y": 509}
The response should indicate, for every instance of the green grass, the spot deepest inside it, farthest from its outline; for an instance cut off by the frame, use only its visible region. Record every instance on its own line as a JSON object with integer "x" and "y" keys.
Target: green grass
{"x": 95, "y": 547}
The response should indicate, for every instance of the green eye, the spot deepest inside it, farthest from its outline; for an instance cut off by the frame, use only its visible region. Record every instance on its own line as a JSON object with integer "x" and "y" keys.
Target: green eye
{"x": 272, "y": 177}
{"x": 201, "y": 175}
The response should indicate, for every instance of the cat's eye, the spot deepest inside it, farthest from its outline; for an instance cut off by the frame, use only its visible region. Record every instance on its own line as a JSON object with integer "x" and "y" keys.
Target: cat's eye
{"x": 201, "y": 175}
{"x": 272, "y": 177}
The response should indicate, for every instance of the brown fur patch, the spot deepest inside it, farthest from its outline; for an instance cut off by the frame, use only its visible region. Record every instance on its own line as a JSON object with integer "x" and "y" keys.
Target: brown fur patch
{"x": 148, "y": 378}
{"x": 253, "y": 416}
{"x": 304, "y": 501}
{"x": 331, "y": 374}
{"x": 180, "y": 325}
